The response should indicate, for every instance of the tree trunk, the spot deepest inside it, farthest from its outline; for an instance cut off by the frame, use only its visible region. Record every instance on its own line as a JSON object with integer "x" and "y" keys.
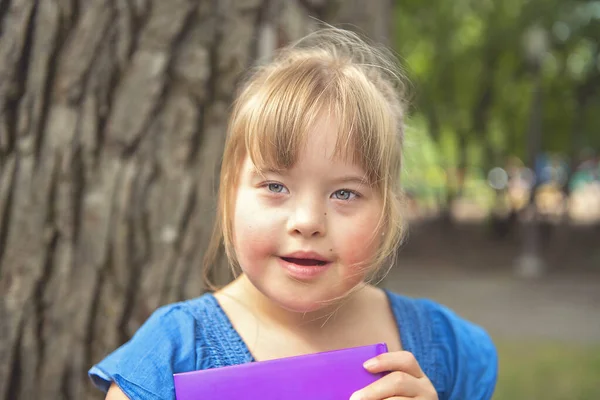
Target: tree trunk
{"x": 112, "y": 123}
{"x": 530, "y": 263}
{"x": 372, "y": 18}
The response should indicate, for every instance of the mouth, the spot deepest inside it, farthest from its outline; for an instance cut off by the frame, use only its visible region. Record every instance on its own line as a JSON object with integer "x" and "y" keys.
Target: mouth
{"x": 305, "y": 266}
{"x": 305, "y": 262}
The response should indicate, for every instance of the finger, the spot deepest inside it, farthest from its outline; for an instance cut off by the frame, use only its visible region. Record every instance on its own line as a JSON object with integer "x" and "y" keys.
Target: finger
{"x": 394, "y": 384}
{"x": 395, "y": 361}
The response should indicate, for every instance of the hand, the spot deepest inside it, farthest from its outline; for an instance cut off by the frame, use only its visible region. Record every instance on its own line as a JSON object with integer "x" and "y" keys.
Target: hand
{"x": 406, "y": 380}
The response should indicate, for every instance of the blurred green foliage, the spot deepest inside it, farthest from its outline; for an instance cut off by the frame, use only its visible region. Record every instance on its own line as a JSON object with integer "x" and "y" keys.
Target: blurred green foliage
{"x": 471, "y": 67}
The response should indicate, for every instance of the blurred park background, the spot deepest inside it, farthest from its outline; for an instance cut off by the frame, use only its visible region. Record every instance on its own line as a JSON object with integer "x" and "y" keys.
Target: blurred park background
{"x": 112, "y": 120}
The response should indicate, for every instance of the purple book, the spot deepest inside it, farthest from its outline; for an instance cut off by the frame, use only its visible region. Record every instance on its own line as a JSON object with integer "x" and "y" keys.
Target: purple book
{"x": 332, "y": 375}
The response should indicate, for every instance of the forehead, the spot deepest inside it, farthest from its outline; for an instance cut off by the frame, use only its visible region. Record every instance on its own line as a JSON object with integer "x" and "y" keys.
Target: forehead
{"x": 322, "y": 149}
{"x": 322, "y": 141}
{"x": 318, "y": 155}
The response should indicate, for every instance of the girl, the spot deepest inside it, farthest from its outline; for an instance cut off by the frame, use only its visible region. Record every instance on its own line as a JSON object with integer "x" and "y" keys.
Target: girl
{"x": 309, "y": 212}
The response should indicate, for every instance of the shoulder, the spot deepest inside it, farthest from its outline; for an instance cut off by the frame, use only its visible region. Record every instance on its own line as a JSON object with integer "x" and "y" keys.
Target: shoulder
{"x": 165, "y": 344}
{"x": 460, "y": 355}
{"x": 467, "y": 349}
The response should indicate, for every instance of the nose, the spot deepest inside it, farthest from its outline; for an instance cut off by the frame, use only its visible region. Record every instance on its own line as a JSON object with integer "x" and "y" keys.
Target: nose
{"x": 308, "y": 220}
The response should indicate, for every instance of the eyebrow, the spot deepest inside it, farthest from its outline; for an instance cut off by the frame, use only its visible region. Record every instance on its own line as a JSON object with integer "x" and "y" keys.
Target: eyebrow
{"x": 255, "y": 172}
{"x": 356, "y": 179}
{"x": 351, "y": 179}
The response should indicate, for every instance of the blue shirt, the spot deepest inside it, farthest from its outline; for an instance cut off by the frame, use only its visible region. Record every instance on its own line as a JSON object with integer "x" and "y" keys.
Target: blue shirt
{"x": 458, "y": 357}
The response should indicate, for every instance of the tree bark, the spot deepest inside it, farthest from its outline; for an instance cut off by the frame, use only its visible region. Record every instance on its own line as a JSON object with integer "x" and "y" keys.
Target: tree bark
{"x": 112, "y": 123}
{"x": 372, "y": 18}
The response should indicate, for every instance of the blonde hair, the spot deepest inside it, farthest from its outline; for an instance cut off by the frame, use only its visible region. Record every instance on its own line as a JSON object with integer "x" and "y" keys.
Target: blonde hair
{"x": 330, "y": 71}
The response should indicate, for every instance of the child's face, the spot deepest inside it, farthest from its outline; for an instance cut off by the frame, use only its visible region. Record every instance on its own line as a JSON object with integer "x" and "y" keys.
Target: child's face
{"x": 299, "y": 235}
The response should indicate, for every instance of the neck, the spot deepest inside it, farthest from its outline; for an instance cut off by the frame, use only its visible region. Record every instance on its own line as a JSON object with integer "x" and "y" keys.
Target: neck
{"x": 319, "y": 321}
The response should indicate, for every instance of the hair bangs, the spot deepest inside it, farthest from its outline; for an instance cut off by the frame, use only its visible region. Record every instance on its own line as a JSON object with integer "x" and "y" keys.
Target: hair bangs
{"x": 365, "y": 126}
{"x": 284, "y": 109}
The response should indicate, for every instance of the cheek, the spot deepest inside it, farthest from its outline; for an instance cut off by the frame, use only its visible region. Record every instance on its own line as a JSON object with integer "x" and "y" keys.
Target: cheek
{"x": 360, "y": 247}
{"x": 359, "y": 244}
{"x": 254, "y": 232}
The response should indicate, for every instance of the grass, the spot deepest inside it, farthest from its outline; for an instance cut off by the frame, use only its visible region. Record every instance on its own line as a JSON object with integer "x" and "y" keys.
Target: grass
{"x": 548, "y": 370}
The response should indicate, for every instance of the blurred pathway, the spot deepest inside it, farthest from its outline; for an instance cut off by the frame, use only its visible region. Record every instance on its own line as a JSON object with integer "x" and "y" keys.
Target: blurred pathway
{"x": 556, "y": 307}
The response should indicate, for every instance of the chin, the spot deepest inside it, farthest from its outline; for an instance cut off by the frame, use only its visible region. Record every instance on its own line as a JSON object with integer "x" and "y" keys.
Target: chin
{"x": 304, "y": 301}
{"x": 300, "y": 305}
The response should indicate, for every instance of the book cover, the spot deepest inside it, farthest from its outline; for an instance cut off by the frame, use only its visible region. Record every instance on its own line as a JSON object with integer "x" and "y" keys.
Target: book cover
{"x": 332, "y": 375}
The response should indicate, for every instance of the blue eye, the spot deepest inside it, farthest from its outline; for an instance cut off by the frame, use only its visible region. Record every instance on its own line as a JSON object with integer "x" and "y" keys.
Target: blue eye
{"x": 344, "y": 194}
{"x": 276, "y": 187}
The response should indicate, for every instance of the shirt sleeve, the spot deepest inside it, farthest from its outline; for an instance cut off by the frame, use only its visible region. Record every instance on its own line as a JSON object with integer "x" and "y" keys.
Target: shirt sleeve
{"x": 143, "y": 367}
{"x": 467, "y": 355}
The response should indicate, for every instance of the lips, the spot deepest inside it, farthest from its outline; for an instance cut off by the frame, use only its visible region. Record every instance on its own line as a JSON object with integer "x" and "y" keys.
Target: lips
{"x": 307, "y": 262}
{"x": 305, "y": 265}
{"x": 306, "y": 258}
